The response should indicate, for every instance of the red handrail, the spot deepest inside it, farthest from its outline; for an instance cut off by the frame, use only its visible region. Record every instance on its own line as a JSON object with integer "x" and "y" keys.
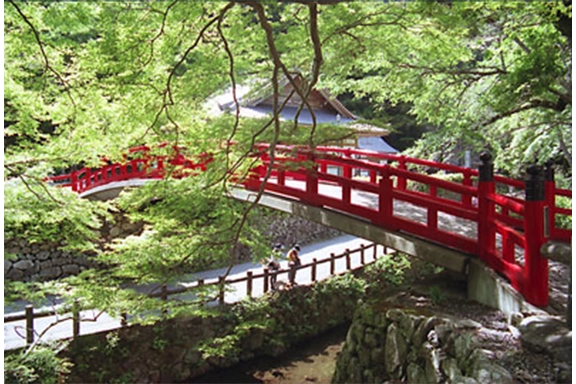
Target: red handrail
{"x": 497, "y": 216}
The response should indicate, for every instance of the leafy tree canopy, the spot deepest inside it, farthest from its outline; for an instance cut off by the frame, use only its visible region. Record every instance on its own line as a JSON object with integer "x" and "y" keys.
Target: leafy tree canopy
{"x": 90, "y": 79}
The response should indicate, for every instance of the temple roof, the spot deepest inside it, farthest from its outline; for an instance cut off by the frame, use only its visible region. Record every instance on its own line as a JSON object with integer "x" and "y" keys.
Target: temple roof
{"x": 256, "y": 101}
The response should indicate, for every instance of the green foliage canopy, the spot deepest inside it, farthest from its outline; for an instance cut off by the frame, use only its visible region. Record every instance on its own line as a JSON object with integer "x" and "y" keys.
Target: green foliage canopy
{"x": 90, "y": 79}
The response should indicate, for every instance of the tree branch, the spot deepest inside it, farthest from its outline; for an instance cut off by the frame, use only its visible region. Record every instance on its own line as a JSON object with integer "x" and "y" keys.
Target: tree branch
{"x": 276, "y": 55}
{"x": 531, "y": 105}
{"x": 47, "y": 65}
{"x": 231, "y": 74}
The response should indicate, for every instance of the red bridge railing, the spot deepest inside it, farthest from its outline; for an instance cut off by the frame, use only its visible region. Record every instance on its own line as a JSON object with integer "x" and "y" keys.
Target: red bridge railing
{"x": 510, "y": 219}
{"x": 139, "y": 164}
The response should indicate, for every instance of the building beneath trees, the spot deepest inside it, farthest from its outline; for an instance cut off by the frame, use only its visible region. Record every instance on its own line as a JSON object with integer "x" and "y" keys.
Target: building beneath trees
{"x": 257, "y": 101}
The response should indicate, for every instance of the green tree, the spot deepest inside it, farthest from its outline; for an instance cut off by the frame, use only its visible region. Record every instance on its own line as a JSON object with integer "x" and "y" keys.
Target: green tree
{"x": 87, "y": 80}
{"x": 486, "y": 74}
{"x": 90, "y": 79}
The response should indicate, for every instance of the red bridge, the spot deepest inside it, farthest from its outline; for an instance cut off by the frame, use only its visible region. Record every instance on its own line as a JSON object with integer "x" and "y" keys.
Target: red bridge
{"x": 503, "y": 221}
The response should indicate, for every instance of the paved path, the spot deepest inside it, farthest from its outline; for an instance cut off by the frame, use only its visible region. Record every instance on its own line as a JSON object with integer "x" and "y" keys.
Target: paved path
{"x": 93, "y": 321}
{"x": 403, "y": 209}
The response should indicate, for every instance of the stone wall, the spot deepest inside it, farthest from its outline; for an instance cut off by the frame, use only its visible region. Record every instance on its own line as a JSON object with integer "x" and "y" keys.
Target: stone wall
{"x": 48, "y": 261}
{"x": 179, "y": 349}
{"x": 288, "y": 230}
{"x": 402, "y": 345}
{"x": 43, "y": 262}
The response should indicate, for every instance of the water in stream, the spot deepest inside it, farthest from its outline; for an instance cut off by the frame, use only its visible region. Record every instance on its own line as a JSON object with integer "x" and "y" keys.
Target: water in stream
{"x": 310, "y": 362}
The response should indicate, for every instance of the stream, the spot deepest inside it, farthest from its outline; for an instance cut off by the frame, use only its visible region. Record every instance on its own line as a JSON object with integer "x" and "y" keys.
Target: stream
{"x": 312, "y": 361}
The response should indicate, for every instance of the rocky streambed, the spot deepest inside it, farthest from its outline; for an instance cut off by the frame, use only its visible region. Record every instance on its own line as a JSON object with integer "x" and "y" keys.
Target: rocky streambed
{"x": 423, "y": 333}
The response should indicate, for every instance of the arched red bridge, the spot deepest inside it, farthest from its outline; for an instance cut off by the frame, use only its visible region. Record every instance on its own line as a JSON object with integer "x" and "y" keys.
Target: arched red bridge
{"x": 503, "y": 221}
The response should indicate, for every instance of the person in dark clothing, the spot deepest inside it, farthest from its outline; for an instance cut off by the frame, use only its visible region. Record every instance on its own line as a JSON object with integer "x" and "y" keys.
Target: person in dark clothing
{"x": 274, "y": 264}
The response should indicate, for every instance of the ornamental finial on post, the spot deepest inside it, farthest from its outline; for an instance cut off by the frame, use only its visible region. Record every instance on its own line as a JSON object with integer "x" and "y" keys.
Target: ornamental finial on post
{"x": 549, "y": 171}
{"x": 534, "y": 183}
{"x": 486, "y": 169}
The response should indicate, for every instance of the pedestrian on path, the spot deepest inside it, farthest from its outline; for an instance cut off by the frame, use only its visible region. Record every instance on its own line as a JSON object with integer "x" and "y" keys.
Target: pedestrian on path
{"x": 293, "y": 262}
{"x": 273, "y": 264}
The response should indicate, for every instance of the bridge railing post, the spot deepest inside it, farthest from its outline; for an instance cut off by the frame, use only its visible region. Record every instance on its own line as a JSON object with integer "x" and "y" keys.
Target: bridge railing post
{"x": 346, "y": 190}
{"x": 550, "y": 197}
{"x": 535, "y": 284}
{"x": 401, "y": 180}
{"x": 486, "y": 209}
{"x": 74, "y": 180}
{"x": 432, "y": 213}
{"x": 311, "y": 178}
{"x": 385, "y": 200}
{"x": 281, "y": 176}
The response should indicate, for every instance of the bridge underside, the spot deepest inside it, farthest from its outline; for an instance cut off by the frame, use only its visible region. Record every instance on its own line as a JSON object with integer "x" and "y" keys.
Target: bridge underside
{"x": 484, "y": 285}
{"x": 440, "y": 255}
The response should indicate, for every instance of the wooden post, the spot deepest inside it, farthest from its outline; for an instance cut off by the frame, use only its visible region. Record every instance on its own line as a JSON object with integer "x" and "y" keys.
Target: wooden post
{"x": 164, "y": 292}
{"x": 164, "y": 297}
{"x": 361, "y": 254}
{"x": 486, "y": 231}
{"x": 29, "y": 324}
{"x": 200, "y": 284}
{"x": 265, "y": 282}
{"x": 313, "y": 270}
{"x": 332, "y": 264}
{"x": 221, "y": 288}
{"x": 535, "y": 285}
{"x": 375, "y": 251}
{"x": 348, "y": 266}
{"x": 249, "y": 284}
{"x": 75, "y": 319}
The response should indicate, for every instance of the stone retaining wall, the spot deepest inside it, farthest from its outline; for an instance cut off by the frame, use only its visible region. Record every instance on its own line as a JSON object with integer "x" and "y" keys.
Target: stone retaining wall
{"x": 179, "y": 349}
{"x": 402, "y": 345}
{"x": 43, "y": 262}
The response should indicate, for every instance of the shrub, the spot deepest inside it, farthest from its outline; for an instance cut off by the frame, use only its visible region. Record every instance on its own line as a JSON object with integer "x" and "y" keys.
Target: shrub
{"x": 40, "y": 366}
